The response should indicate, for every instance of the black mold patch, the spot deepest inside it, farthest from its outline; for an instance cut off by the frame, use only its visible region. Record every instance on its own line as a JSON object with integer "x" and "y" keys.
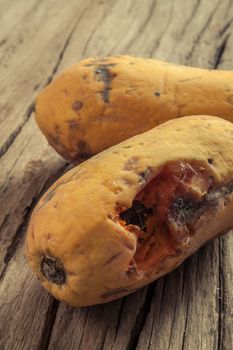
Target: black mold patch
{"x": 103, "y": 74}
{"x": 136, "y": 215}
{"x": 53, "y": 270}
{"x": 144, "y": 175}
{"x": 182, "y": 210}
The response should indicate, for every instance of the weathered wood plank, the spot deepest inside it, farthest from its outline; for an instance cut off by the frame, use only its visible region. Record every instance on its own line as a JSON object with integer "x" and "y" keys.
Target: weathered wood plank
{"x": 30, "y": 55}
{"x": 190, "y": 308}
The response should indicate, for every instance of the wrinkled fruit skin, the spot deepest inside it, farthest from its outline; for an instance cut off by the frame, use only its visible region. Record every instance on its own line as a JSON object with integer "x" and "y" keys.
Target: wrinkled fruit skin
{"x": 98, "y": 103}
{"x": 134, "y": 212}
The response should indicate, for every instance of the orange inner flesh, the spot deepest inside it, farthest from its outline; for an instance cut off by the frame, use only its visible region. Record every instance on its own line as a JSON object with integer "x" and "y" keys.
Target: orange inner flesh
{"x": 171, "y": 200}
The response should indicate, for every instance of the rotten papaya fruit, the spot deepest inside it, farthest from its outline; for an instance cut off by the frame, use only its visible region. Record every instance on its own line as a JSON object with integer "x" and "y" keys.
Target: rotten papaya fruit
{"x": 134, "y": 212}
{"x": 98, "y": 103}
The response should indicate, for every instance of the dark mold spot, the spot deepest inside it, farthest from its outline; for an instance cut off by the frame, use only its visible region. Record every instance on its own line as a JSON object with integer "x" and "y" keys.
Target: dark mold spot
{"x": 219, "y": 192}
{"x": 53, "y": 270}
{"x": 77, "y": 105}
{"x": 182, "y": 210}
{"x": 103, "y": 74}
{"x": 210, "y": 160}
{"x": 144, "y": 175}
{"x": 131, "y": 163}
{"x": 136, "y": 215}
{"x": 157, "y": 93}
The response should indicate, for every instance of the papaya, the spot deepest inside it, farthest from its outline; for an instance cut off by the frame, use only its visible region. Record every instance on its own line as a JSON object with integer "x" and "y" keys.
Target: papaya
{"x": 98, "y": 103}
{"x": 134, "y": 212}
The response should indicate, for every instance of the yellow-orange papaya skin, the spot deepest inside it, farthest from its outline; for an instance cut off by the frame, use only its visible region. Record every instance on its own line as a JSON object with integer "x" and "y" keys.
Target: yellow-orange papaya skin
{"x": 134, "y": 212}
{"x": 98, "y": 103}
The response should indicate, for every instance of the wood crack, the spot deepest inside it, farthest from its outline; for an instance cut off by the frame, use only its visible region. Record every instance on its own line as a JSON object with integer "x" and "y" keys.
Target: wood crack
{"x": 189, "y": 19}
{"x": 62, "y": 52}
{"x": 202, "y": 31}
{"x": 119, "y": 318}
{"x": 219, "y": 52}
{"x": 142, "y": 26}
{"x": 7, "y": 144}
{"x": 164, "y": 31}
{"x": 141, "y": 318}
{"x": 173, "y": 323}
{"x": 48, "y": 325}
{"x": 20, "y": 231}
{"x": 84, "y": 326}
{"x": 94, "y": 30}
{"x": 186, "y": 311}
{"x": 221, "y": 310}
{"x": 225, "y": 28}
{"x": 17, "y": 236}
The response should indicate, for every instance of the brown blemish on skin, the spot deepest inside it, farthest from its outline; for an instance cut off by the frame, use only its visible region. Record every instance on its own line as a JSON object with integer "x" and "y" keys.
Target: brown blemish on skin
{"x": 33, "y": 236}
{"x": 157, "y": 93}
{"x": 82, "y": 145}
{"x": 106, "y": 76}
{"x": 112, "y": 258}
{"x": 131, "y": 163}
{"x": 128, "y": 245}
{"x": 144, "y": 175}
{"x": 55, "y": 140}
{"x": 65, "y": 92}
{"x": 189, "y": 79}
{"x": 84, "y": 151}
{"x": 114, "y": 293}
{"x": 73, "y": 124}
{"x": 49, "y": 236}
{"x": 49, "y": 195}
{"x": 77, "y": 105}
{"x": 230, "y": 99}
{"x": 127, "y": 146}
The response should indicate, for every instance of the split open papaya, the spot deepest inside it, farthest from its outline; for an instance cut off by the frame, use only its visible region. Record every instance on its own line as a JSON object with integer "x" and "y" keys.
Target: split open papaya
{"x": 98, "y": 103}
{"x": 133, "y": 213}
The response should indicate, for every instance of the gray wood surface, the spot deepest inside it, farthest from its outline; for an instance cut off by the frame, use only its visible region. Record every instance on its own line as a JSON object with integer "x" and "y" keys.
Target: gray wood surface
{"x": 191, "y": 308}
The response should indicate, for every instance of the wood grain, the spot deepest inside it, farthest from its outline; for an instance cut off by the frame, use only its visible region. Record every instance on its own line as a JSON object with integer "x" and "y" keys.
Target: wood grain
{"x": 191, "y": 308}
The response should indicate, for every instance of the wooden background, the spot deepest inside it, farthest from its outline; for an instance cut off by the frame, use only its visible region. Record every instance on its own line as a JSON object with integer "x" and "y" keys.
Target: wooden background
{"x": 192, "y": 308}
